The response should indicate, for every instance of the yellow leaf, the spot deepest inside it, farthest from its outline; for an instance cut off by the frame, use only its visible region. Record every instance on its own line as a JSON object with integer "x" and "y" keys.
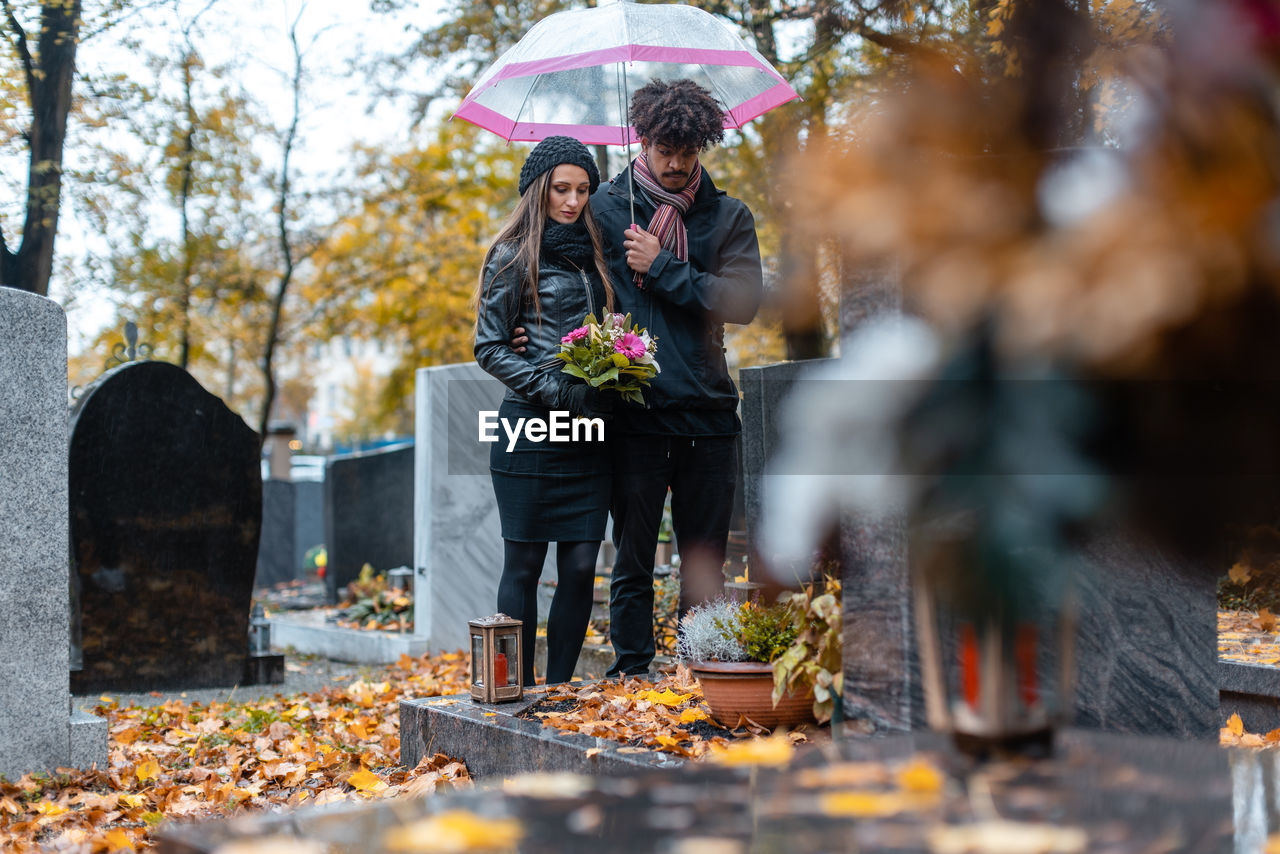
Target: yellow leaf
{"x": 692, "y": 715}
{"x": 920, "y": 776}
{"x": 1235, "y": 725}
{"x": 667, "y": 698}
{"x": 1273, "y": 844}
{"x": 776, "y": 750}
{"x": 133, "y": 800}
{"x": 147, "y": 770}
{"x": 365, "y": 780}
{"x": 667, "y": 741}
{"x": 866, "y": 804}
{"x": 454, "y": 830}
{"x": 50, "y": 808}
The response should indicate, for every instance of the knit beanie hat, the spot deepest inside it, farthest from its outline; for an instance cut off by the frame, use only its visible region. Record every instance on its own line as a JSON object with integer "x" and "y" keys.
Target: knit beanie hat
{"x": 553, "y": 151}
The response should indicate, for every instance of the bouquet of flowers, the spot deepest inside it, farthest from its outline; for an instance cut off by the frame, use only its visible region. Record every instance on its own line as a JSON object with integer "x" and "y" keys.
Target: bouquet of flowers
{"x": 611, "y": 354}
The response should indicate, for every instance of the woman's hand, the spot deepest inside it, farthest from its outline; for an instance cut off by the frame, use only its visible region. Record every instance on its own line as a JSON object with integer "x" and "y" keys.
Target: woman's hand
{"x": 519, "y": 339}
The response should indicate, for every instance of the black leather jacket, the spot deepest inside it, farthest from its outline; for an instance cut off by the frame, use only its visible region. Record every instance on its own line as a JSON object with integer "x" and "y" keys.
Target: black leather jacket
{"x": 565, "y": 296}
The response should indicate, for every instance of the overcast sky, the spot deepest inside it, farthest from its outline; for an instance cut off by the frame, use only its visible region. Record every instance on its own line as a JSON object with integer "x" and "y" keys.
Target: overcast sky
{"x": 252, "y": 37}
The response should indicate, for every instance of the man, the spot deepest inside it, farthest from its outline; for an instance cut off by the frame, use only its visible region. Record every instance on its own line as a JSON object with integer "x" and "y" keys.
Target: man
{"x": 691, "y": 268}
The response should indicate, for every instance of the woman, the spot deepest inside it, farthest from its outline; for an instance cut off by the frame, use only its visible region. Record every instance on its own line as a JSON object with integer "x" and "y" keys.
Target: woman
{"x": 545, "y": 272}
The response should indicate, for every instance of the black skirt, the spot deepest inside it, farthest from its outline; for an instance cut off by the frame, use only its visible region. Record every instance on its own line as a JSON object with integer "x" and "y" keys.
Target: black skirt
{"x": 550, "y": 491}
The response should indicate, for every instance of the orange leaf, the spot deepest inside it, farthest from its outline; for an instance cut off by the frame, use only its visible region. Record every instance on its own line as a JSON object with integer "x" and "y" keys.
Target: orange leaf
{"x": 1235, "y": 725}
{"x": 1239, "y": 574}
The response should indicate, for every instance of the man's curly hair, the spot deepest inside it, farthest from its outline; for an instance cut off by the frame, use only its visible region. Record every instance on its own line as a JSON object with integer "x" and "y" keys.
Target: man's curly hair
{"x": 681, "y": 114}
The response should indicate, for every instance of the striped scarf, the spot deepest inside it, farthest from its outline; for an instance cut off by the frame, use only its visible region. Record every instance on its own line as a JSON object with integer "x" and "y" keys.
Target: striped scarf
{"x": 667, "y": 223}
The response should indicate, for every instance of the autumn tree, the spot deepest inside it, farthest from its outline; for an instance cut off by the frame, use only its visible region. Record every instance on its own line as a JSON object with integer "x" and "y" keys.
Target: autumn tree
{"x": 403, "y": 264}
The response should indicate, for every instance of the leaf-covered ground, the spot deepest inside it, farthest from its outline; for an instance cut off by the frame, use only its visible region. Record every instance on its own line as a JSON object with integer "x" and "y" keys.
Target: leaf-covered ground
{"x": 1249, "y": 636}
{"x": 186, "y": 761}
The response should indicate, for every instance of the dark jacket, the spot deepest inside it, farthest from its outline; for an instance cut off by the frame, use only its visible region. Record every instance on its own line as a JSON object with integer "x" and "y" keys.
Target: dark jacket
{"x": 685, "y": 304}
{"x": 565, "y": 295}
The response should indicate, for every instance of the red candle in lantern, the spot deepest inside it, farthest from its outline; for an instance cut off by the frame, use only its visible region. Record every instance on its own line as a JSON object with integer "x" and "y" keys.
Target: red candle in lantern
{"x": 499, "y": 671}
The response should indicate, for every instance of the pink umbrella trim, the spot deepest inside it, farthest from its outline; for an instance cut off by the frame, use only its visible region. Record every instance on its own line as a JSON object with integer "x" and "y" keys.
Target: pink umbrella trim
{"x": 625, "y": 53}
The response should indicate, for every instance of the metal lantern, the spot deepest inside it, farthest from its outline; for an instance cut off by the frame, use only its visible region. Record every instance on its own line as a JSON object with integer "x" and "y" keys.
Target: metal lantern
{"x": 259, "y": 631}
{"x": 495, "y": 659}
{"x": 400, "y": 580}
{"x": 998, "y": 677}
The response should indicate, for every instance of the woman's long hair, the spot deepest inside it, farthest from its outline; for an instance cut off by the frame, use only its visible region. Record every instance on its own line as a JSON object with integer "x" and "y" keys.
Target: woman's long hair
{"x": 524, "y": 229}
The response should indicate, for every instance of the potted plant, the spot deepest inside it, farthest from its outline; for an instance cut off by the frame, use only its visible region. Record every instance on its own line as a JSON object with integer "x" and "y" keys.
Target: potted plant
{"x": 814, "y": 661}
{"x": 731, "y": 647}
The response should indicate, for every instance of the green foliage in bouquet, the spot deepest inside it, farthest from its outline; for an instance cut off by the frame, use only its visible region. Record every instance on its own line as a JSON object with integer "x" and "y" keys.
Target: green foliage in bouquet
{"x": 612, "y": 354}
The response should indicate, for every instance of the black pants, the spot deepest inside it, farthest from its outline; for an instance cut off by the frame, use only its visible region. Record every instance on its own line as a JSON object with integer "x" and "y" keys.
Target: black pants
{"x": 701, "y": 474}
{"x": 570, "y": 607}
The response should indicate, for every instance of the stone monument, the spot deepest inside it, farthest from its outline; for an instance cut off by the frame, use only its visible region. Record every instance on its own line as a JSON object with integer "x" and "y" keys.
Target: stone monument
{"x": 166, "y": 506}
{"x": 38, "y": 731}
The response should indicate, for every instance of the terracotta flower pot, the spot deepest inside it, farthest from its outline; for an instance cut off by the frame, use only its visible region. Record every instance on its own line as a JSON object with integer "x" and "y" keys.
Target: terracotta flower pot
{"x": 734, "y": 688}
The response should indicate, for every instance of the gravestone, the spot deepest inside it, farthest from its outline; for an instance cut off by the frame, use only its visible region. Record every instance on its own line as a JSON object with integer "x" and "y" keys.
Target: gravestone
{"x": 38, "y": 731}
{"x": 1145, "y": 651}
{"x": 166, "y": 504}
{"x": 368, "y": 513}
{"x": 308, "y": 519}
{"x": 277, "y": 551}
{"x": 881, "y": 670}
{"x": 457, "y": 535}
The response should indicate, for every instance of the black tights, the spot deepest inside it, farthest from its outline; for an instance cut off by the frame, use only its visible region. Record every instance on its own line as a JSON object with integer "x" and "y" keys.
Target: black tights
{"x": 570, "y": 607}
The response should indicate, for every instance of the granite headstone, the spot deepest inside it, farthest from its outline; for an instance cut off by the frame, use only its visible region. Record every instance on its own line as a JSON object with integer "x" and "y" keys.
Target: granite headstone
{"x": 1145, "y": 653}
{"x": 308, "y": 519}
{"x": 166, "y": 504}
{"x": 881, "y": 670}
{"x": 457, "y": 535}
{"x": 38, "y": 732}
{"x": 277, "y": 551}
{"x": 368, "y": 513}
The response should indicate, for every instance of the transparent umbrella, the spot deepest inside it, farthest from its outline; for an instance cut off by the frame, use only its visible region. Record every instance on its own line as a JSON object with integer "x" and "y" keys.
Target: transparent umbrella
{"x": 573, "y": 73}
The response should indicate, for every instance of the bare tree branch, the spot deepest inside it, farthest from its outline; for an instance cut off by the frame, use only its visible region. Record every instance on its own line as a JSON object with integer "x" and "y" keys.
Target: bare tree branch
{"x": 18, "y": 36}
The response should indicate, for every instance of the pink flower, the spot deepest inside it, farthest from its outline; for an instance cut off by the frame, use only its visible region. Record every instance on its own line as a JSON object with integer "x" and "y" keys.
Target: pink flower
{"x": 576, "y": 335}
{"x": 618, "y": 321}
{"x": 630, "y": 345}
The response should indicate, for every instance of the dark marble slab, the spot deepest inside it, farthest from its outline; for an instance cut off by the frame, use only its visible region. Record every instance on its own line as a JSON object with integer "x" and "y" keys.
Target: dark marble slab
{"x": 1146, "y": 648}
{"x": 494, "y": 742}
{"x": 368, "y": 514}
{"x": 1125, "y": 794}
{"x": 1251, "y": 691}
{"x": 763, "y": 390}
{"x": 881, "y": 669}
{"x": 308, "y": 518}
{"x": 166, "y": 503}
{"x": 276, "y": 547}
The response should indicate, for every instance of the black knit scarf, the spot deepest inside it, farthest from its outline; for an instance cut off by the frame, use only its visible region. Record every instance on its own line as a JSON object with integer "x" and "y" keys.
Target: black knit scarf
{"x": 569, "y": 241}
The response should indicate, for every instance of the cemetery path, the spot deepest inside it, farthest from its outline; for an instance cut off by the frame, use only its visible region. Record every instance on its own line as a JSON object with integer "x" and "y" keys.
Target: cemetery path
{"x": 303, "y": 674}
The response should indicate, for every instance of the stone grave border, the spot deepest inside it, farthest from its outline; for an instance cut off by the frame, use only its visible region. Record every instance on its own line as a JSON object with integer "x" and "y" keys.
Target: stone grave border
{"x": 494, "y": 742}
